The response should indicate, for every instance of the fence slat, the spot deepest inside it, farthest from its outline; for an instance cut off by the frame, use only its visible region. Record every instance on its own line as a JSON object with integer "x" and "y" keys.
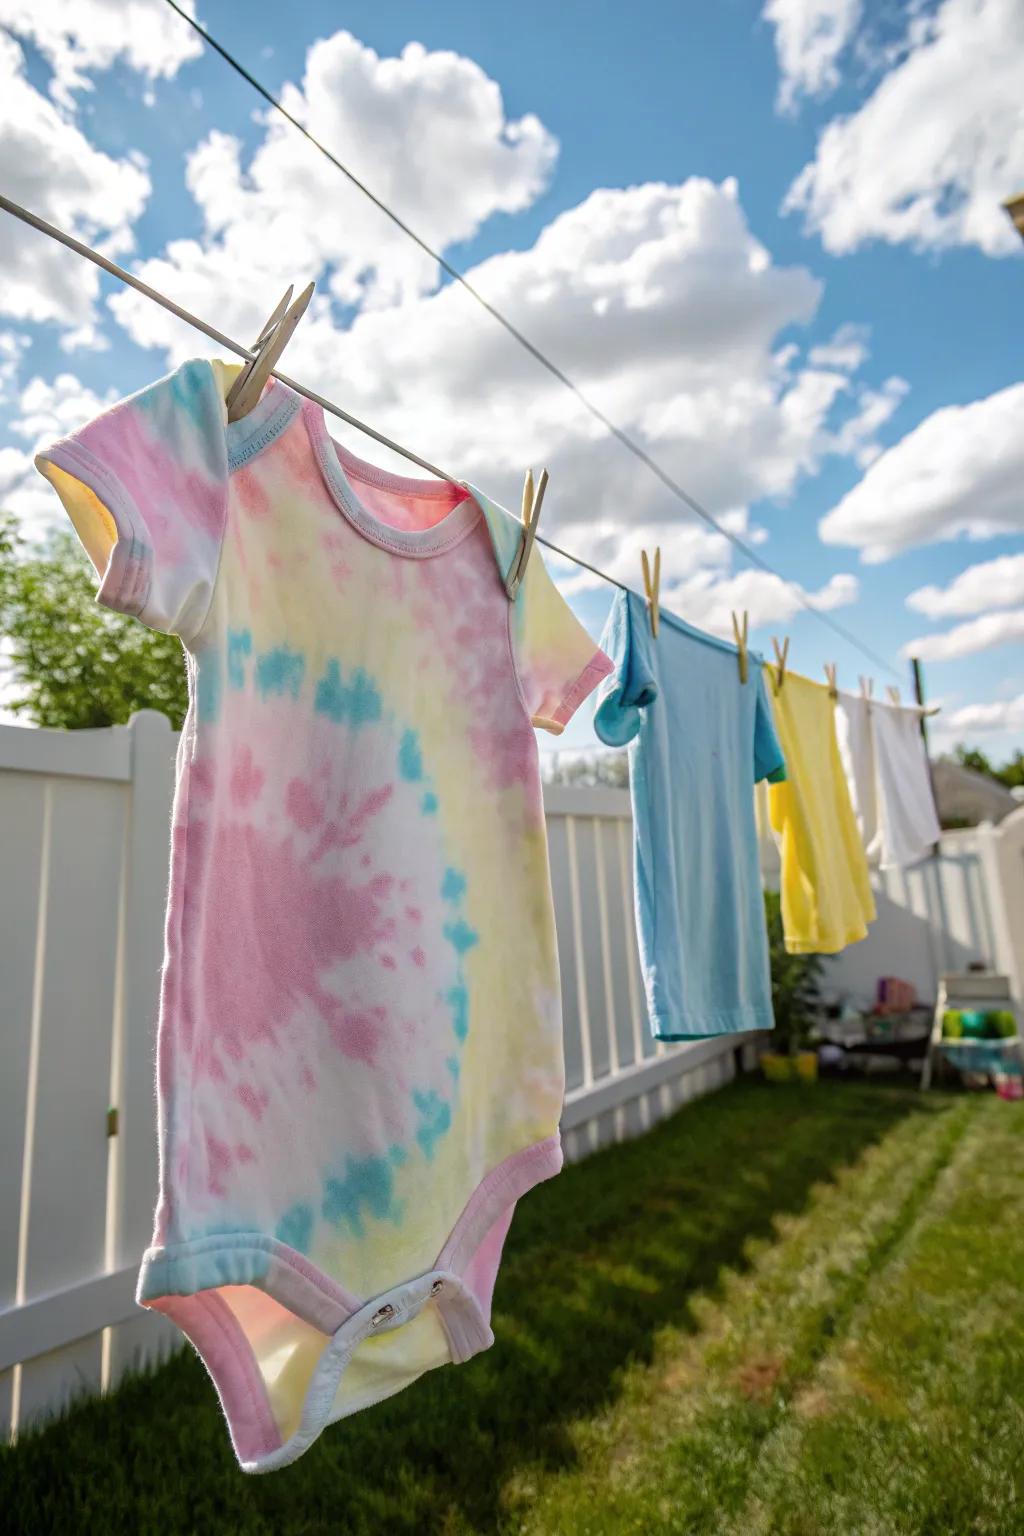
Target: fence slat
{"x": 572, "y": 1033}
{"x": 604, "y": 937}
{"x": 587, "y": 924}
{"x": 637, "y": 1005}
{"x": 68, "y": 1174}
{"x": 23, "y": 809}
{"x": 621, "y": 936}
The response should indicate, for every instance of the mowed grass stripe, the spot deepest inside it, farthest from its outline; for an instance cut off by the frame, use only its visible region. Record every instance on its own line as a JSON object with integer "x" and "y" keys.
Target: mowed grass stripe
{"x": 702, "y": 1330}
{"x": 680, "y": 1450}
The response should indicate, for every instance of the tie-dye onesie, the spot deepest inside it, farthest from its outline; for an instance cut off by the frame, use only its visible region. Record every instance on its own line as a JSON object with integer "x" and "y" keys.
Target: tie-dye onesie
{"x": 359, "y": 1061}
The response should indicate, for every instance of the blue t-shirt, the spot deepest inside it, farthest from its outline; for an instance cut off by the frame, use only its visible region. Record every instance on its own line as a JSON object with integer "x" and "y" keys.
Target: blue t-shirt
{"x": 699, "y": 740}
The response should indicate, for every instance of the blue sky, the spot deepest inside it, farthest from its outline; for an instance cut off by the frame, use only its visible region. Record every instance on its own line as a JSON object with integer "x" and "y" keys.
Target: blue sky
{"x": 688, "y": 302}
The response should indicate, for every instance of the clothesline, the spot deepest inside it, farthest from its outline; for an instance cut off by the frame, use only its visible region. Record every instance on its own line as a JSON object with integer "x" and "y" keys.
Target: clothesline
{"x": 89, "y": 254}
{"x": 86, "y": 252}
{"x": 623, "y": 437}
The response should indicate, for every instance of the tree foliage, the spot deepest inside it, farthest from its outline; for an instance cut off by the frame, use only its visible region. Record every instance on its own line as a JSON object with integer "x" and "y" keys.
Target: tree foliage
{"x": 75, "y": 664}
{"x": 1011, "y": 773}
{"x": 587, "y": 768}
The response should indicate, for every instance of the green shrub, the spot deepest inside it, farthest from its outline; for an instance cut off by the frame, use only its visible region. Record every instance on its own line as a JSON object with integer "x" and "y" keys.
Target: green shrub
{"x": 796, "y": 993}
{"x": 73, "y": 664}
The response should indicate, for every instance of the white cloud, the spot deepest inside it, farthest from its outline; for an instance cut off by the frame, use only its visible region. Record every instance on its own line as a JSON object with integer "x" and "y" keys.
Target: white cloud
{"x": 24, "y": 492}
{"x": 696, "y": 581}
{"x": 656, "y": 299}
{"x": 1004, "y": 715}
{"x": 94, "y": 34}
{"x": 856, "y": 437}
{"x": 960, "y": 472}
{"x": 709, "y": 602}
{"x": 426, "y": 131}
{"x": 738, "y": 523}
{"x": 50, "y": 167}
{"x": 614, "y": 547}
{"x": 696, "y": 578}
{"x": 810, "y": 35}
{"x": 12, "y": 468}
{"x": 992, "y": 584}
{"x": 51, "y": 409}
{"x": 663, "y": 308}
{"x": 928, "y": 158}
{"x": 48, "y": 410}
{"x": 12, "y": 346}
{"x": 965, "y": 639}
{"x": 847, "y": 349}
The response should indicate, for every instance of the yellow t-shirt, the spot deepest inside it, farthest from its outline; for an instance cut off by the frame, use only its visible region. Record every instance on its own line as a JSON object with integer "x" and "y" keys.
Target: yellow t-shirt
{"x": 827, "y": 900}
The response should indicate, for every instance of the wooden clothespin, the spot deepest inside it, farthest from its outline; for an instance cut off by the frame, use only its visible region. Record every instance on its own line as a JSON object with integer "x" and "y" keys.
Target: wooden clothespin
{"x": 267, "y": 348}
{"x": 268, "y": 330}
{"x": 894, "y": 695}
{"x": 830, "y": 673}
{"x": 781, "y": 653}
{"x": 740, "y": 633}
{"x": 531, "y": 517}
{"x": 652, "y": 586}
{"x": 867, "y": 688}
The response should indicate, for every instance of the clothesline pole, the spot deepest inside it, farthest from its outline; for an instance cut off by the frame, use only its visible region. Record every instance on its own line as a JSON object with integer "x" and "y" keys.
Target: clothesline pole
{"x": 918, "y": 676}
{"x": 917, "y": 673}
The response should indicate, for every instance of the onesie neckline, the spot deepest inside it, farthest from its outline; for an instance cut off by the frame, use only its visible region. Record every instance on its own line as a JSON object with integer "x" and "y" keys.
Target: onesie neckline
{"x": 415, "y": 542}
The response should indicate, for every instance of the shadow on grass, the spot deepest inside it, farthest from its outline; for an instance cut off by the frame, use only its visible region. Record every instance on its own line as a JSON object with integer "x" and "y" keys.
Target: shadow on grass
{"x": 597, "y": 1262}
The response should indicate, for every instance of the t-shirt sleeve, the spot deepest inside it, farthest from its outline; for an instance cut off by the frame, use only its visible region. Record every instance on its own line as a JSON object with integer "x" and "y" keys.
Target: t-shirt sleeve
{"x": 769, "y": 762}
{"x": 557, "y": 661}
{"x": 145, "y": 485}
{"x": 631, "y": 685}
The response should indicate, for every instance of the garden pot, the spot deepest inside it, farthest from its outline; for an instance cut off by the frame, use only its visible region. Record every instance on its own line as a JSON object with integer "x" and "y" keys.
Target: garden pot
{"x": 807, "y": 1066}
{"x": 776, "y": 1068}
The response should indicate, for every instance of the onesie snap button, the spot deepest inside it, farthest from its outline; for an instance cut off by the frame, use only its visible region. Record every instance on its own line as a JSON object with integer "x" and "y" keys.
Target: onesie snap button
{"x": 382, "y": 1315}
{"x": 437, "y": 1288}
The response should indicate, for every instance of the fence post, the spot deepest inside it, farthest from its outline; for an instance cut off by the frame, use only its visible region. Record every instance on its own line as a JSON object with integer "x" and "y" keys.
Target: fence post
{"x": 143, "y": 899}
{"x": 1004, "y": 883}
{"x": 24, "y": 836}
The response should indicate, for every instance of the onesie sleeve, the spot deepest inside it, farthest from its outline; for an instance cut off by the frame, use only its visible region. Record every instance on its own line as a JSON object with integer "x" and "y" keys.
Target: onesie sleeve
{"x": 145, "y": 485}
{"x": 556, "y": 659}
{"x": 769, "y": 762}
{"x": 631, "y": 685}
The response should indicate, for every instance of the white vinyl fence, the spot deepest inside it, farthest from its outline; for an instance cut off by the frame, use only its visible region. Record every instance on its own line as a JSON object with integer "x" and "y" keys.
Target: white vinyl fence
{"x": 962, "y": 907}
{"x": 84, "y": 840}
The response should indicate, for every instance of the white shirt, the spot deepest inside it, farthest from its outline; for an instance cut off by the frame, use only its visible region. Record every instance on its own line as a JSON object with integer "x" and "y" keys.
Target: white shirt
{"x": 886, "y": 766}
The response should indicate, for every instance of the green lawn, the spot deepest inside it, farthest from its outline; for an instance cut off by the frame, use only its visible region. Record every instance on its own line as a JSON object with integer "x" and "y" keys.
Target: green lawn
{"x": 787, "y": 1310}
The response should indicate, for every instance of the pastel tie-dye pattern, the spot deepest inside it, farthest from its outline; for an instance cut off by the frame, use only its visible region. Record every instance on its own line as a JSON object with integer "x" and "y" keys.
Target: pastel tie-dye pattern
{"x": 359, "y": 1059}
